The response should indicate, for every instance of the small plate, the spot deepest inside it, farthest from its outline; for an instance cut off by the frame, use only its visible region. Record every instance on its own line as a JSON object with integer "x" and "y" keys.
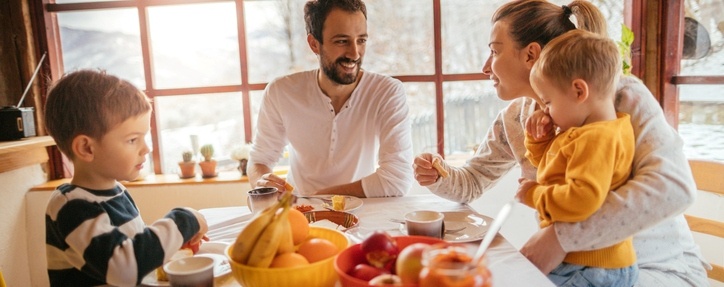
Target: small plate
{"x": 351, "y": 202}
{"x": 475, "y": 226}
{"x": 211, "y": 249}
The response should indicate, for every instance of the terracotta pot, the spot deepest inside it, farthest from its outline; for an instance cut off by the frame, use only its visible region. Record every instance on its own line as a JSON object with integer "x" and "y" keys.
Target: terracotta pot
{"x": 188, "y": 169}
{"x": 208, "y": 168}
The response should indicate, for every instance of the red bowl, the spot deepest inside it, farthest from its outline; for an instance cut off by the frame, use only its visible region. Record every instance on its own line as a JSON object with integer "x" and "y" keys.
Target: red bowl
{"x": 353, "y": 255}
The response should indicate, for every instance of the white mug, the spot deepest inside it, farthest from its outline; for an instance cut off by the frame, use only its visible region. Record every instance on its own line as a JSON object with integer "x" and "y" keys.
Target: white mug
{"x": 425, "y": 223}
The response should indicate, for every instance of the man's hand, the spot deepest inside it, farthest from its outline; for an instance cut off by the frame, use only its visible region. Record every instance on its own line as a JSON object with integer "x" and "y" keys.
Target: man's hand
{"x": 544, "y": 250}
{"x": 272, "y": 180}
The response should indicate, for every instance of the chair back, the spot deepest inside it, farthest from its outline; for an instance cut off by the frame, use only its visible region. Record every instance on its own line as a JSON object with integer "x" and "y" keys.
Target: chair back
{"x": 709, "y": 177}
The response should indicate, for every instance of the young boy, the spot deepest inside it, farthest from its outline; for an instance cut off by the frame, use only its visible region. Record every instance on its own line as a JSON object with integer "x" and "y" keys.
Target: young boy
{"x": 94, "y": 232}
{"x": 582, "y": 148}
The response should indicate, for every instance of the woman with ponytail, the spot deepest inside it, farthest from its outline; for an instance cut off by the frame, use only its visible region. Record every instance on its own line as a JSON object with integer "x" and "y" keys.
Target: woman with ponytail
{"x": 648, "y": 206}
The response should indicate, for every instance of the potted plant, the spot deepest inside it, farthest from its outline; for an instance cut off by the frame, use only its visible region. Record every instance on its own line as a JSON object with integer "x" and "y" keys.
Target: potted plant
{"x": 208, "y": 165}
{"x": 188, "y": 165}
{"x": 241, "y": 154}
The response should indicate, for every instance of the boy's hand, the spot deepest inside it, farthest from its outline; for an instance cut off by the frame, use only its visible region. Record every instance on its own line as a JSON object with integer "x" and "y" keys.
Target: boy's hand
{"x": 194, "y": 244}
{"x": 203, "y": 228}
{"x": 539, "y": 124}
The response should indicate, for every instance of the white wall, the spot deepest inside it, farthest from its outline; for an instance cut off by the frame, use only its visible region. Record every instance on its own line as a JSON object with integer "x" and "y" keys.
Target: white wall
{"x": 13, "y": 239}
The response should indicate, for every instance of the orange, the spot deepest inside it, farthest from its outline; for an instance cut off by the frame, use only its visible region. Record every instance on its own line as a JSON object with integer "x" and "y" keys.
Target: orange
{"x": 316, "y": 249}
{"x": 290, "y": 259}
{"x": 300, "y": 225}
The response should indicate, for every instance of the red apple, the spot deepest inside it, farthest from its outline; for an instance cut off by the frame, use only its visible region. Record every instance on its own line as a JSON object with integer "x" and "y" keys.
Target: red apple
{"x": 380, "y": 249}
{"x": 409, "y": 263}
{"x": 366, "y": 272}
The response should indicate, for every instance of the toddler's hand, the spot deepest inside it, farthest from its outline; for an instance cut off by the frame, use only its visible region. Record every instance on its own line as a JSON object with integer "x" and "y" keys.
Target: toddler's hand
{"x": 539, "y": 124}
{"x": 525, "y": 185}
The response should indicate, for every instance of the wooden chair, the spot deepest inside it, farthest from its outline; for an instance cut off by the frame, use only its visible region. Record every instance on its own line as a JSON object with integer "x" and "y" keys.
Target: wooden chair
{"x": 709, "y": 177}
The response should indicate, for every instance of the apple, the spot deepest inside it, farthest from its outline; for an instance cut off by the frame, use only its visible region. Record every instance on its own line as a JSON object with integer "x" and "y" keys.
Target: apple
{"x": 366, "y": 272}
{"x": 386, "y": 280}
{"x": 409, "y": 263}
{"x": 380, "y": 249}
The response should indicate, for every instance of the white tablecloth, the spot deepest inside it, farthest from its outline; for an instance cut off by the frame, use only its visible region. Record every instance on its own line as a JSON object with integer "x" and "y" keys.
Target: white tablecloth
{"x": 508, "y": 266}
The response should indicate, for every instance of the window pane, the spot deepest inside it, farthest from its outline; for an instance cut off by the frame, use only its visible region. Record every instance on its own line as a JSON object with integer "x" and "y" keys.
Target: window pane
{"x": 256, "y": 99}
{"x": 276, "y": 39}
{"x": 470, "y": 109}
{"x": 465, "y": 34}
{"x": 421, "y": 100}
{"x": 701, "y": 120}
{"x": 103, "y": 39}
{"x": 400, "y": 37}
{"x": 194, "y": 45}
{"x": 215, "y": 118}
{"x": 703, "y": 38}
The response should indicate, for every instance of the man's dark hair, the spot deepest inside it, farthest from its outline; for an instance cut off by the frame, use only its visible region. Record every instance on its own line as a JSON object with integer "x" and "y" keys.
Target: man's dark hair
{"x": 316, "y": 11}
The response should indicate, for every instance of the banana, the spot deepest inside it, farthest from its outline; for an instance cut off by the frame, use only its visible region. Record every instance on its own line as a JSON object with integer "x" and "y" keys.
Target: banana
{"x": 251, "y": 233}
{"x": 267, "y": 245}
{"x": 287, "y": 242}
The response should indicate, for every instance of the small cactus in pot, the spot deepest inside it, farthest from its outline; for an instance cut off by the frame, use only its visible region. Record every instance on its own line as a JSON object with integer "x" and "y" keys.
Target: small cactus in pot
{"x": 188, "y": 165}
{"x": 208, "y": 165}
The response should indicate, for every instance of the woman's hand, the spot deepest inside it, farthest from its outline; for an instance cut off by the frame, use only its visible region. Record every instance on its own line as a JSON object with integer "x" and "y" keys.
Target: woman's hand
{"x": 544, "y": 250}
{"x": 425, "y": 173}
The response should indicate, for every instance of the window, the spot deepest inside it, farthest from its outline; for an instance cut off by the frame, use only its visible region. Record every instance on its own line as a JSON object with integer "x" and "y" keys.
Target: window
{"x": 205, "y": 63}
{"x": 701, "y": 80}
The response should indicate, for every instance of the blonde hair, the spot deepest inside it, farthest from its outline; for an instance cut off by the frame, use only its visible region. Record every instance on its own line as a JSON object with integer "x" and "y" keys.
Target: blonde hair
{"x": 578, "y": 54}
{"x": 540, "y": 21}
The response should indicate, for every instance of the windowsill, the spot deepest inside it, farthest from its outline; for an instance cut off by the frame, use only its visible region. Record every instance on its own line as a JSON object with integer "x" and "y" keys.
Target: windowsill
{"x": 24, "y": 152}
{"x": 168, "y": 179}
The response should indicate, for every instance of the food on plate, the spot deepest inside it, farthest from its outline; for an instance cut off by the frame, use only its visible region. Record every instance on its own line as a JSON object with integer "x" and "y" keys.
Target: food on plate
{"x": 437, "y": 165}
{"x": 338, "y": 202}
{"x": 409, "y": 263}
{"x": 303, "y": 207}
{"x": 288, "y": 187}
{"x": 317, "y": 249}
{"x": 380, "y": 249}
{"x": 183, "y": 253}
{"x": 259, "y": 242}
{"x": 299, "y": 225}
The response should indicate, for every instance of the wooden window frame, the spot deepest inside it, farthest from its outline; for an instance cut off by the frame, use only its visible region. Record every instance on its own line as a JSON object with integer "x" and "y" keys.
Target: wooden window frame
{"x": 48, "y": 40}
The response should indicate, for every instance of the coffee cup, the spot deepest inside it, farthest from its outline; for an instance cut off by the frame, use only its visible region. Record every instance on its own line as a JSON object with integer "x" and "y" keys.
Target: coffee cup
{"x": 195, "y": 271}
{"x": 426, "y": 223}
{"x": 260, "y": 198}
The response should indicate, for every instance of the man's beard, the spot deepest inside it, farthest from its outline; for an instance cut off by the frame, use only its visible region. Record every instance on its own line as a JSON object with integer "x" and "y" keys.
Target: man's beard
{"x": 333, "y": 70}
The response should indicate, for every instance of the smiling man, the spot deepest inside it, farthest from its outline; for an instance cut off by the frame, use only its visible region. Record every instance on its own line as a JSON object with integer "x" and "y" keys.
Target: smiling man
{"x": 347, "y": 129}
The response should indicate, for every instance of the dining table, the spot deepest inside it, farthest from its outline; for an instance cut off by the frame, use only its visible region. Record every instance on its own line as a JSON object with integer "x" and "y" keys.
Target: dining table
{"x": 507, "y": 265}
